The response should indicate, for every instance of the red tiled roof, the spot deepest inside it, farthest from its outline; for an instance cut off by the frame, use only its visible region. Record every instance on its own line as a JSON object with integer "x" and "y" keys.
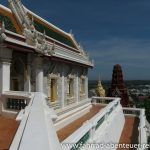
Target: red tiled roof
{"x": 8, "y": 128}
{"x": 130, "y": 132}
{"x": 72, "y": 127}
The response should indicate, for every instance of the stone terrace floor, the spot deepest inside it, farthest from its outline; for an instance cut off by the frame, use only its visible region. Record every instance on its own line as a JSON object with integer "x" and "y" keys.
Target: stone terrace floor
{"x": 8, "y": 128}
{"x": 130, "y": 132}
{"x": 69, "y": 129}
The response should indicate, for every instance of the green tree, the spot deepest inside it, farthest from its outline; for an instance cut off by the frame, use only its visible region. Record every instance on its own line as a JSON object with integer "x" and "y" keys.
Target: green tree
{"x": 147, "y": 109}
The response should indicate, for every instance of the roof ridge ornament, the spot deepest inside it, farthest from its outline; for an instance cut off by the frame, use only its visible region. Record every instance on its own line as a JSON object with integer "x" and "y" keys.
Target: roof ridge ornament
{"x": 32, "y": 20}
{"x": 44, "y": 35}
{"x": 3, "y": 27}
{"x": 19, "y": 11}
{"x": 82, "y": 51}
{"x": 13, "y": 8}
{"x": 52, "y": 49}
{"x": 70, "y": 31}
{"x": 32, "y": 23}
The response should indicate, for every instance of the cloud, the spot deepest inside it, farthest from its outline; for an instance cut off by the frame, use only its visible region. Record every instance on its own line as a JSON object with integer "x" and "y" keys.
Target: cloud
{"x": 121, "y": 49}
{"x": 132, "y": 54}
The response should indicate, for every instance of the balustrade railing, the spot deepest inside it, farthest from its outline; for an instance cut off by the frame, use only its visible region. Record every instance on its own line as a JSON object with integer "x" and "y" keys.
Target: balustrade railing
{"x": 102, "y": 100}
{"x": 100, "y": 122}
{"x": 18, "y": 136}
{"x": 142, "y": 128}
{"x": 131, "y": 111}
{"x": 16, "y": 104}
{"x": 140, "y": 113}
{"x": 85, "y": 132}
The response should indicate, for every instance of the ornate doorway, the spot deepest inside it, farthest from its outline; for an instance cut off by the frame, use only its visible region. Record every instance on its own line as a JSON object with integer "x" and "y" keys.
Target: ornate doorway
{"x": 15, "y": 84}
{"x": 53, "y": 90}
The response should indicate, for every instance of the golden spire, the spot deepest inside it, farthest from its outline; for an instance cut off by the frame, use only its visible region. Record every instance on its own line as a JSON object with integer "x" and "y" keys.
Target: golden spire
{"x": 100, "y": 90}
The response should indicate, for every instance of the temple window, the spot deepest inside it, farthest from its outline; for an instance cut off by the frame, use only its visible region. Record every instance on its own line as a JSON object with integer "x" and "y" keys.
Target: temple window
{"x": 82, "y": 85}
{"x": 53, "y": 90}
{"x": 70, "y": 88}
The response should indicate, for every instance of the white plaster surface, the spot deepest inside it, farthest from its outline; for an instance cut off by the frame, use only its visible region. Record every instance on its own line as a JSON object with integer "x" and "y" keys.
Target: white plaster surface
{"x": 5, "y": 76}
{"x": 39, "y": 132}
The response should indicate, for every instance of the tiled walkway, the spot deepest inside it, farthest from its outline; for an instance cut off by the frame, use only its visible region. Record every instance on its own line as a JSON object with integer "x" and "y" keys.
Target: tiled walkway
{"x": 8, "y": 128}
{"x": 130, "y": 132}
{"x": 69, "y": 129}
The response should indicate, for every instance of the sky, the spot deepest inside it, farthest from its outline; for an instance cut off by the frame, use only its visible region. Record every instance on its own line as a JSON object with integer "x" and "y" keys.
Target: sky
{"x": 111, "y": 31}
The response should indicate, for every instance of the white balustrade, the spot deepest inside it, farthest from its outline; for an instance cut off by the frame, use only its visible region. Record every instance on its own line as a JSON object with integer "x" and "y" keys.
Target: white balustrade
{"x": 87, "y": 130}
{"x": 36, "y": 120}
{"x": 136, "y": 112}
{"x": 16, "y": 142}
{"x": 142, "y": 128}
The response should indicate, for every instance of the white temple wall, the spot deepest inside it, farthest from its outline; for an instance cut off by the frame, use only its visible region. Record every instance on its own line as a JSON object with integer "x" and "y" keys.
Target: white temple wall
{"x": 77, "y": 87}
{"x": 39, "y": 73}
{"x": 86, "y": 87}
{"x": 59, "y": 90}
{"x": 27, "y": 84}
{"x": 62, "y": 89}
{"x": 45, "y": 85}
{"x": 5, "y": 58}
{"x": 63, "y": 72}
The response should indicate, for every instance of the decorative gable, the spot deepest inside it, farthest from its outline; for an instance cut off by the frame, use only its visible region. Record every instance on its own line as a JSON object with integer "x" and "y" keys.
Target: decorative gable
{"x": 9, "y": 20}
{"x": 8, "y": 23}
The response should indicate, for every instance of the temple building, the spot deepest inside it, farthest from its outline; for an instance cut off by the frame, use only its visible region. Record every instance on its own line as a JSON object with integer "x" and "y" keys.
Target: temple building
{"x": 44, "y": 103}
{"x": 118, "y": 88}
{"x": 39, "y": 57}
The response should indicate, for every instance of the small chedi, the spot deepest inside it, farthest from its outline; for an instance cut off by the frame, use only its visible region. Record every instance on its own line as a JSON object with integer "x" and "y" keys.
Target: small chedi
{"x": 118, "y": 88}
{"x": 100, "y": 91}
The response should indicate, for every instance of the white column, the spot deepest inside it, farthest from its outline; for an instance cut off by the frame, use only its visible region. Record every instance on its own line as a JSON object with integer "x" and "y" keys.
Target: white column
{"x": 77, "y": 90}
{"x": 86, "y": 87}
{"x": 5, "y": 76}
{"x": 5, "y": 58}
{"x": 62, "y": 90}
{"x": 39, "y": 75}
{"x": 27, "y": 85}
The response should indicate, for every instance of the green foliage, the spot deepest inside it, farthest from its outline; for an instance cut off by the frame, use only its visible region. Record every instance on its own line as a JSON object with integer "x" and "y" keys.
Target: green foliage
{"x": 41, "y": 28}
{"x": 147, "y": 109}
{"x": 147, "y": 104}
{"x": 8, "y": 23}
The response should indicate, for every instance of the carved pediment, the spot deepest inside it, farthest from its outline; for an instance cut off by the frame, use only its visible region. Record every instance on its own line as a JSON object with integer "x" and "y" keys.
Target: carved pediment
{"x": 52, "y": 75}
